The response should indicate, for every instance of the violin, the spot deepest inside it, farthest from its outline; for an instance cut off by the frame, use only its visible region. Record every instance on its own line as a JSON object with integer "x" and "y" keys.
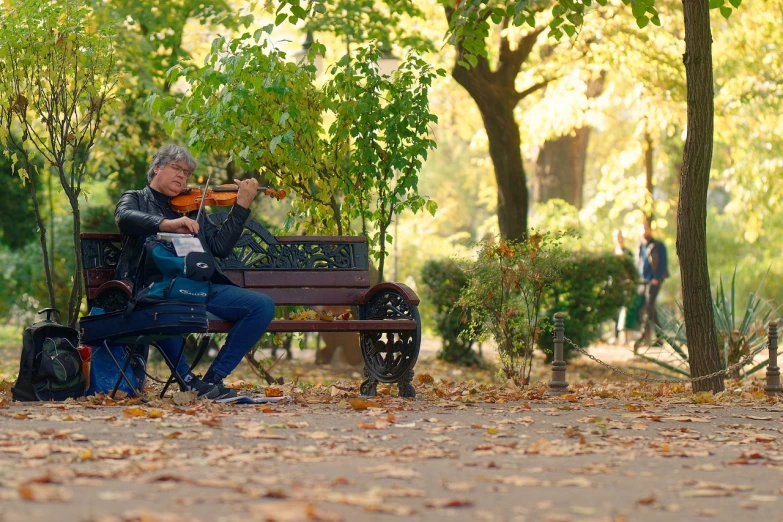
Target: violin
{"x": 222, "y": 196}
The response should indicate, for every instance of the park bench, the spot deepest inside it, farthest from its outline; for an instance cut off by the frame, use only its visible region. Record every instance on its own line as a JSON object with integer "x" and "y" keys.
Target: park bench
{"x": 297, "y": 271}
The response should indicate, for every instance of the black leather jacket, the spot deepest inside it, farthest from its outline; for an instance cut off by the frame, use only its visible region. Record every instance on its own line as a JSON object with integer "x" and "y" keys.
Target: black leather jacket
{"x": 138, "y": 216}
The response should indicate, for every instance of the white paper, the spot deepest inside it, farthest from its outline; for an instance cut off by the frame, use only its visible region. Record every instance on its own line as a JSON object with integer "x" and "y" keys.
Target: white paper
{"x": 185, "y": 245}
{"x": 168, "y": 236}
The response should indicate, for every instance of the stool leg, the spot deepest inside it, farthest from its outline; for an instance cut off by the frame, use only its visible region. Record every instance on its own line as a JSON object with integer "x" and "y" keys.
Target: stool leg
{"x": 172, "y": 367}
{"x": 120, "y": 368}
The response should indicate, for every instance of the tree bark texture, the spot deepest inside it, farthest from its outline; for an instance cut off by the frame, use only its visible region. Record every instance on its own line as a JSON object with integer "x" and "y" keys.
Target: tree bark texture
{"x": 560, "y": 166}
{"x": 495, "y": 94}
{"x": 692, "y": 211}
{"x": 649, "y": 150}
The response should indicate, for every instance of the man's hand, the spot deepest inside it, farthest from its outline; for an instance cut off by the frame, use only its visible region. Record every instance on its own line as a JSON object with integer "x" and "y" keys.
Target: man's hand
{"x": 248, "y": 190}
{"x": 654, "y": 282}
{"x": 183, "y": 225}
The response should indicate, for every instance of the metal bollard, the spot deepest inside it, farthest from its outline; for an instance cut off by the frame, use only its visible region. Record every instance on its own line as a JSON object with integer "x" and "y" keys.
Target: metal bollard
{"x": 558, "y": 384}
{"x": 773, "y": 372}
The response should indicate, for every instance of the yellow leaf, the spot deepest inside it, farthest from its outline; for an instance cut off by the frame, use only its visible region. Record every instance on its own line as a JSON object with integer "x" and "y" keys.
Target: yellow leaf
{"x": 273, "y": 391}
{"x": 134, "y": 411}
{"x": 362, "y": 404}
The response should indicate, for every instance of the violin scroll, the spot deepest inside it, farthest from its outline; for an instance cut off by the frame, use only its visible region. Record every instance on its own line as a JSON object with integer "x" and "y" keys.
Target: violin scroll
{"x": 277, "y": 194}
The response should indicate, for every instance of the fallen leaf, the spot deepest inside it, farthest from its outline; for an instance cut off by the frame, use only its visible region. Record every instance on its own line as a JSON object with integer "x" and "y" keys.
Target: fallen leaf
{"x": 134, "y": 411}
{"x": 44, "y": 493}
{"x": 38, "y": 451}
{"x": 448, "y": 503}
{"x": 362, "y": 404}
{"x": 460, "y": 487}
{"x": 214, "y": 422}
{"x": 273, "y": 391}
{"x": 182, "y": 398}
{"x": 390, "y": 509}
{"x": 705, "y": 493}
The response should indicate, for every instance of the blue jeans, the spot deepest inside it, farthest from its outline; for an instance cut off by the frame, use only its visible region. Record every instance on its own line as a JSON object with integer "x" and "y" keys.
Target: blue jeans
{"x": 251, "y": 312}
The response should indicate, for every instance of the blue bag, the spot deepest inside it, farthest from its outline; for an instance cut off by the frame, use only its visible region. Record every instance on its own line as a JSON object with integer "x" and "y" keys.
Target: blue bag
{"x": 168, "y": 276}
{"x": 161, "y": 320}
{"x": 115, "y": 333}
{"x": 104, "y": 373}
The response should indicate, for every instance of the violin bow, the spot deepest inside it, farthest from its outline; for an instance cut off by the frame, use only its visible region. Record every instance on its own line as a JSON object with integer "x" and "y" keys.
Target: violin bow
{"x": 203, "y": 198}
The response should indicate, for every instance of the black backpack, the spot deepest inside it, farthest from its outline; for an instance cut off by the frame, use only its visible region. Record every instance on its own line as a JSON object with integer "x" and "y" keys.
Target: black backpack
{"x": 51, "y": 367}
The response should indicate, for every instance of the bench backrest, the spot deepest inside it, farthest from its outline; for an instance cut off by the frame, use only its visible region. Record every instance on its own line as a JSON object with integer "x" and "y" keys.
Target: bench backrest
{"x": 292, "y": 270}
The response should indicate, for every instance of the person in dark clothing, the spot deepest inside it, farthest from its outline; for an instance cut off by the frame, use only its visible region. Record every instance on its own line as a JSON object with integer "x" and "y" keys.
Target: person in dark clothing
{"x": 653, "y": 269}
{"x": 143, "y": 213}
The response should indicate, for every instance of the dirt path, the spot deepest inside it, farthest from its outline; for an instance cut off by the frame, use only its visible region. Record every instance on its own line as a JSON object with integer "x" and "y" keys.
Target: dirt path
{"x": 581, "y": 457}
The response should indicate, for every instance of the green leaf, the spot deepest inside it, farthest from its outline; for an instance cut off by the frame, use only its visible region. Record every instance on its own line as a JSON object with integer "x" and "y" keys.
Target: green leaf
{"x": 735, "y": 3}
{"x": 432, "y": 207}
{"x": 570, "y": 30}
{"x": 725, "y": 11}
{"x": 714, "y": 4}
{"x": 642, "y": 22}
{"x": 279, "y": 19}
{"x": 319, "y": 8}
{"x": 472, "y": 59}
{"x": 298, "y": 12}
{"x": 274, "y": 143}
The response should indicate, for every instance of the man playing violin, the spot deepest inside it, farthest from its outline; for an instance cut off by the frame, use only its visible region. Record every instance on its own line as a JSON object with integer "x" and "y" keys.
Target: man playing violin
{"x": 143, "y": 213}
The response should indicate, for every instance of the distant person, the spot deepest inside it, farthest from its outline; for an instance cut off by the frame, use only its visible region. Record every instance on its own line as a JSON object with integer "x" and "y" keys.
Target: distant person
{"x": 653, "y": 269}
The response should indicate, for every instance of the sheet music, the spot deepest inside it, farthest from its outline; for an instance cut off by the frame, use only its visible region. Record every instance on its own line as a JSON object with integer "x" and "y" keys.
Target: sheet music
{"x": 185, "y": 245}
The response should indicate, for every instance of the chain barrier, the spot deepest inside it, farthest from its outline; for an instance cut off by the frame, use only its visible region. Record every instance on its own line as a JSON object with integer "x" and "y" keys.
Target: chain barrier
{"x": 742, "y": 362}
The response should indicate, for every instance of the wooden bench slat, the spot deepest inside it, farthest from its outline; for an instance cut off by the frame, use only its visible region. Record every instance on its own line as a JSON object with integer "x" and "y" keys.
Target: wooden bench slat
{"x": 315, "y": 296}
{"x": 95, "y": 277}
{"x": 352, "y": 325}
{"x": 306, "y": 279}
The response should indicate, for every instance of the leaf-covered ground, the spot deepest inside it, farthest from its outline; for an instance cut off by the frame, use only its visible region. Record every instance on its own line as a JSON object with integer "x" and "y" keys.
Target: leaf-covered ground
{"x": 467, "y": 448}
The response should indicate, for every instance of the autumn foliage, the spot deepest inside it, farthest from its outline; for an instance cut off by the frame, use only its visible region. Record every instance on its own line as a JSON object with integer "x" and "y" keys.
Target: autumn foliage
{"x": 507, "y": 285}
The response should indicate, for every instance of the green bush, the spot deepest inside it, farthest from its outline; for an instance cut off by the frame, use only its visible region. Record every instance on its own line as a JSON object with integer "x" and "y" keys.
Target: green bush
{"x": 591, "y": 291}
{"x": 507, "y": 292}
{"x": 443, "y": 281}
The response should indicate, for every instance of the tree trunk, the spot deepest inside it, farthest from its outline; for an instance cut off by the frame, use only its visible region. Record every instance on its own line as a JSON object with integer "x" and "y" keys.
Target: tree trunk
{"x": 495, "y": 94}
{"x": 692, "y": 209}
{"x": 649, "y": 149}
{"x": 504, "y": 149}
{"x": 560, "y": 167}
{"x": 496, "y": 104}
{"x": 75, "y": 301}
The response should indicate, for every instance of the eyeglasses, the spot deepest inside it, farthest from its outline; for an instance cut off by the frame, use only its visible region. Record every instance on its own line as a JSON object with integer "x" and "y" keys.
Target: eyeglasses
{"x": 182, "y": 170}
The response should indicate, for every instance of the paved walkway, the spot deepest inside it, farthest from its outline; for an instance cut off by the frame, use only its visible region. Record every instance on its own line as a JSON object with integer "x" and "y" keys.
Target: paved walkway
{"x": 641, "y": 455}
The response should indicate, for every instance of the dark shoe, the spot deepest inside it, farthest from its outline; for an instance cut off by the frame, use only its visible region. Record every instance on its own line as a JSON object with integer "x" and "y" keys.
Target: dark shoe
{"x": 210, "y": 391}
{"x": 223, "y": 391}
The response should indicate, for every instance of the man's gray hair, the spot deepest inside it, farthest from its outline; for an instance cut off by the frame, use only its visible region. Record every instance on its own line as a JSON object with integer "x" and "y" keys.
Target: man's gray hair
{"x": 166, "y": 155}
